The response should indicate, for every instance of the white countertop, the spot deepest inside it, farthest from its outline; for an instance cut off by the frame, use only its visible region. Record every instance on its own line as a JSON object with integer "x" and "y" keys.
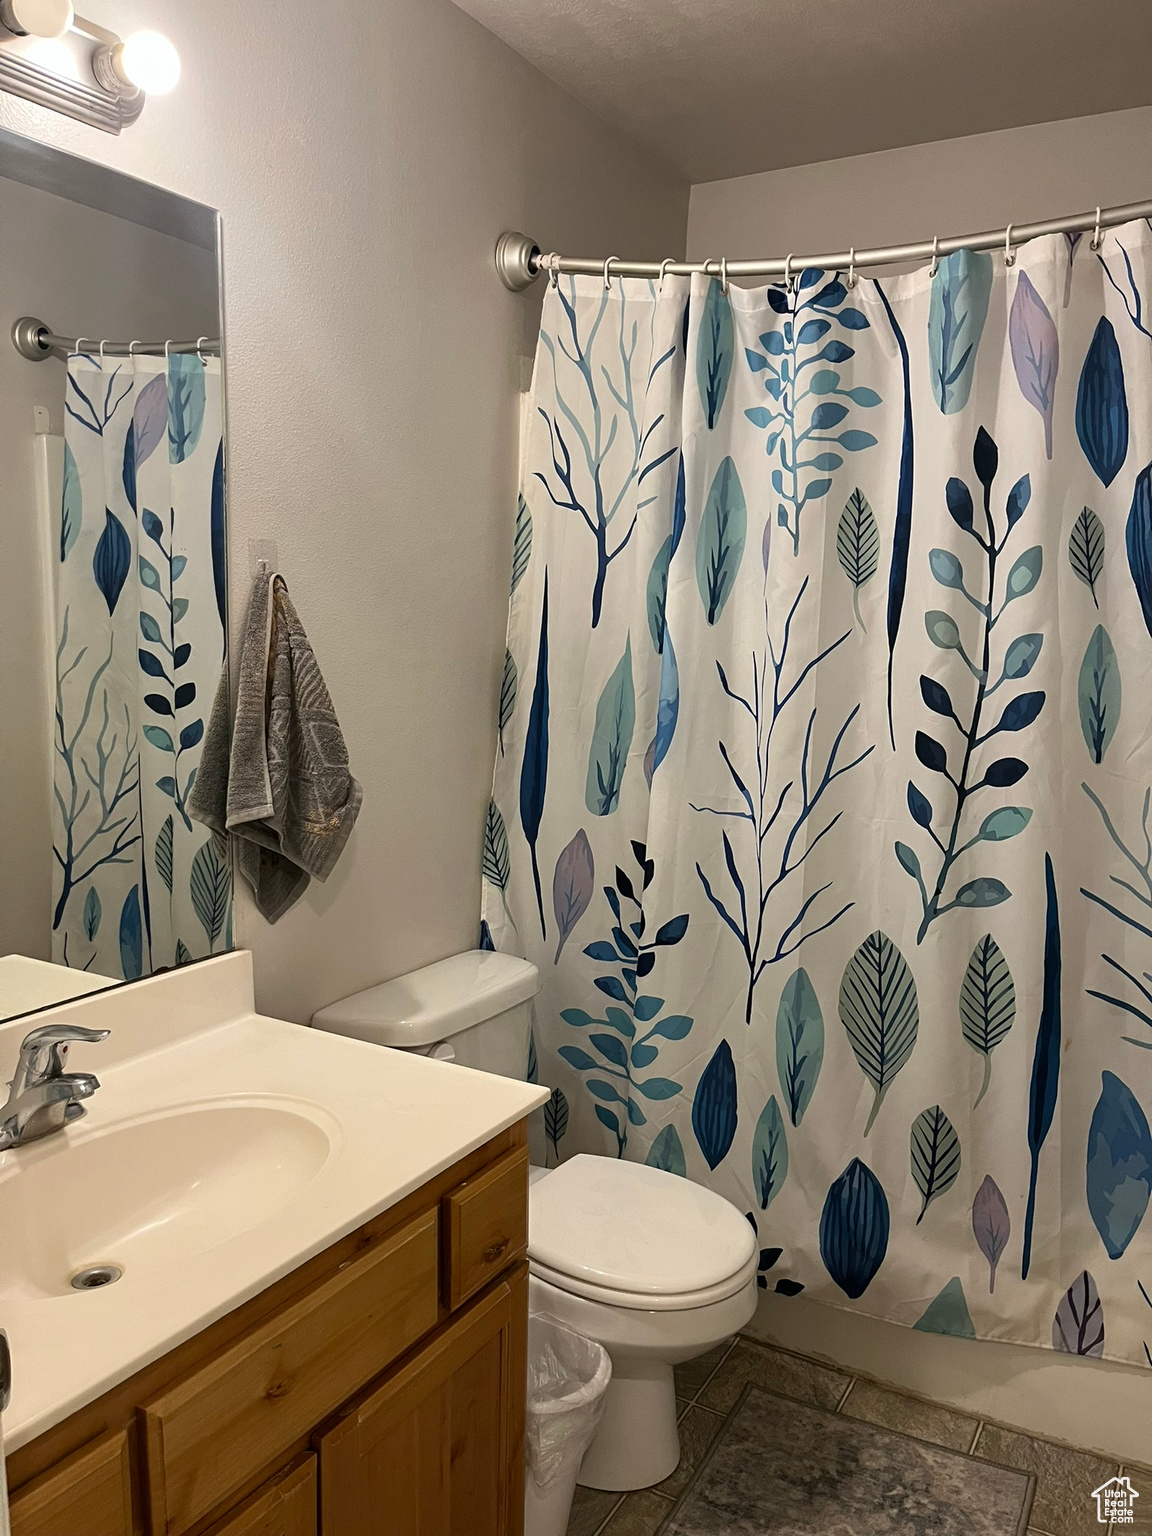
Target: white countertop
{"x": 385, "y": 1122}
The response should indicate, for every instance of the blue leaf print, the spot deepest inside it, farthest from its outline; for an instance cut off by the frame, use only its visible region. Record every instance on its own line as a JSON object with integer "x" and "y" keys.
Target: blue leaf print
{"x": 210, "y": 887}
{"x": 948, "y": 1313}
{"x": 666, "y": 1152}
{"x": 1119, "y": 1171}
{"x": 611, "y": 738}
{"x": 534, "y": 769}
{"x": 185, "y": 405}
{"x": 657, "y": 594}
{"x": 714, "y": 1106}
{"x": 854, "y": 1227}
{"x": 880, "y": 1010}
{"x": 71, "y": 506}
{"x": 956, "y": 315}
{"x": 1138, "y": 537}
{"x": 1046, "y": 1060}
{"x": 720, "y": 544}
{"x": 219, "y": 542}
{"x": 112, "y": 559}
{"x": 714, "y": 347}
{"x": 799, "y": 1043}
{"x": 1102, "y": 406}
{"x": 1098, "y": 694}
{"x": 902, "y": 531}
{"x": 769, "y": 1154}
{"x": 131, "y": 936}
{"x": 667, "y": 711}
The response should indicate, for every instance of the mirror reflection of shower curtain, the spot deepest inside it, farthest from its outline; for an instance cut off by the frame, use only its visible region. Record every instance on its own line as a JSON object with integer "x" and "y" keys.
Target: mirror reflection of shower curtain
{"x": 140, "y": 640}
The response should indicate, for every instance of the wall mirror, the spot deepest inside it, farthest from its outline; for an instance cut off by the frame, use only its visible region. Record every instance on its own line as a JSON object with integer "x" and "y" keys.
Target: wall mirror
{"x": 113, "y": 616}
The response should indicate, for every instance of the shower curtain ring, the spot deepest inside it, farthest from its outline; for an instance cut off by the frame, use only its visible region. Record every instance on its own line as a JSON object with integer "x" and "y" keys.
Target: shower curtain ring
{"x": 168, "y": 350}
{"x": 935, "y": 267}
{"x": 132, "y": 344}
{"x": 1009, "y": 253}
{"x": 199, "y": 354}
{"x": 852, "y": 266}
{"x": 103, "y": 344}
{"x": 608, "y": 272}
{"x": 1097, "y": 238}
{"x": 664, "y": 265}
{"x": 554, "y": 270}
{"x": 723, "y": 274}
{"x": 788, "y": 280}
{"x": 78, "y": 350}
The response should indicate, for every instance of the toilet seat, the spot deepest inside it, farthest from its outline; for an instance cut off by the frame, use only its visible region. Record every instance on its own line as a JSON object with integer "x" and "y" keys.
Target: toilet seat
{"x": 631, "y": 1236}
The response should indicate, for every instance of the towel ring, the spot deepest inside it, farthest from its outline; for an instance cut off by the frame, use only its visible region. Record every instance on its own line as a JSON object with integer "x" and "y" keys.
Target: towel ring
{"x": 852, "y": 266}
{"x": 1097, "y": 238}
{"x": 935, "y": 267}
{"x": 608, "y": 272}
{"x": 1009, "y": 253}
{"x": 664, "y": 265}
{"x": 723, "y": 274}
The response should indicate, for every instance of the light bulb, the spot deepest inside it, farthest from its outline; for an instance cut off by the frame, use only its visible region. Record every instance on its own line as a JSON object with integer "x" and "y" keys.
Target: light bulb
{"x": 36, "y": 18}
{"x": 148, "y": 61}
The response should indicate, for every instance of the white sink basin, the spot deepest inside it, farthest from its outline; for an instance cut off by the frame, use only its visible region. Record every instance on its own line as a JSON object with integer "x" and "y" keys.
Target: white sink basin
{"x": 145, "y": 1194}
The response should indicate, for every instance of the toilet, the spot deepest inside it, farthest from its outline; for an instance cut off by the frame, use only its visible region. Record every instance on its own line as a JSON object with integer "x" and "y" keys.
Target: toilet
{"x": 654, "y": 1267}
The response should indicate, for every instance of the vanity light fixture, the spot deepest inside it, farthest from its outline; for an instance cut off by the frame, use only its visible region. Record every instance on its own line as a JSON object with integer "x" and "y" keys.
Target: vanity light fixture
{"x": 59, "y": 60}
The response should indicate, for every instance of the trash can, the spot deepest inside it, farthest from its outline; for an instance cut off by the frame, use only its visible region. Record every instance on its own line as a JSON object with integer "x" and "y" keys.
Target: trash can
{"x": 568, "y": 1376}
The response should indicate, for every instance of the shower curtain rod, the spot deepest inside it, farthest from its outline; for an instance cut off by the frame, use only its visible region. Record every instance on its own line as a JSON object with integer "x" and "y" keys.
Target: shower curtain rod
{"x": 519, "y": 260}
{"x": 33, "y": 340}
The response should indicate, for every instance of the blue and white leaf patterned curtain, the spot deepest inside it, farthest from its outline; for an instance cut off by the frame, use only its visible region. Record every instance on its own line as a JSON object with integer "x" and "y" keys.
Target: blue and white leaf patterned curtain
{"x": 824, "y": 771}
{"x": 140, "y": 613}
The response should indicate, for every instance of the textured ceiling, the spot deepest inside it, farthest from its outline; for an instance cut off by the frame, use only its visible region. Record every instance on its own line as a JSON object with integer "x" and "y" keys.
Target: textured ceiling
{"x": 718, "y": 88}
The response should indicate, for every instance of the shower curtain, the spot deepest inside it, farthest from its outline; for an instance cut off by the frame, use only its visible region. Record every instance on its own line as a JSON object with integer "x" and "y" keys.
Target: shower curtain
{"x": 140, "y": 640}
{"x": 822, "y": 795}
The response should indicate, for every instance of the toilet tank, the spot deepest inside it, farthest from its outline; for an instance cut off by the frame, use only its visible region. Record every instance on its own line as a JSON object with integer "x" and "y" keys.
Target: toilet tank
{"x": 474, "y": 1008}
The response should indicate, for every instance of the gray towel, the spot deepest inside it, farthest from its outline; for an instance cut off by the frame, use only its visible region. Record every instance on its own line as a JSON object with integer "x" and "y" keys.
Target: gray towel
{"x": 283, "y": 788}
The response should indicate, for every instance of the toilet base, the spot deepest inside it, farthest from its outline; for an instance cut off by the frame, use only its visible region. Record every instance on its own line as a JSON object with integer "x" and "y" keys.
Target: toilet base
{"x": 637, "y": 1443}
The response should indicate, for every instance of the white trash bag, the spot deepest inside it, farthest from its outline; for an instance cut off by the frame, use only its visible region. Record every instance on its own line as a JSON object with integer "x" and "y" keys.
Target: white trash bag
{"x": 568, "y": 1376}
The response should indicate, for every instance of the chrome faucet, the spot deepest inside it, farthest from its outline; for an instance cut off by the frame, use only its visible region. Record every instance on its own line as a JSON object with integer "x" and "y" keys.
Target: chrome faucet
{"x": 42, "y": 1097}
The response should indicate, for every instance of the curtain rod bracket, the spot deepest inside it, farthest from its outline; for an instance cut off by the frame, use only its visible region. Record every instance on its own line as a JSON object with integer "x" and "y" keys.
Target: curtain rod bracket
{"x": 27, "y": 338}
{"x": 517, "y": 260}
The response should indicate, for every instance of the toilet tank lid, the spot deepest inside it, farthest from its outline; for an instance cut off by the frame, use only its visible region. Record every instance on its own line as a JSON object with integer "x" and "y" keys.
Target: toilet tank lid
{"x": 435, "y": 1002}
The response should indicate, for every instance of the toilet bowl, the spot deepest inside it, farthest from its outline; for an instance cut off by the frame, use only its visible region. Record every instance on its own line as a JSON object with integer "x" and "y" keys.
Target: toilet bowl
{"x": 654, "y": 1267}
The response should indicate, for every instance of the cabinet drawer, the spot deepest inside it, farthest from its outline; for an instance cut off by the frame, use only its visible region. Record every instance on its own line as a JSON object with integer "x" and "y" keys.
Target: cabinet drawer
{"x": 90, "y": 1494}
{"x": 284, "y": 1507}
{"x": 206, "y": 1436}
{"x": 485, "y": 1226}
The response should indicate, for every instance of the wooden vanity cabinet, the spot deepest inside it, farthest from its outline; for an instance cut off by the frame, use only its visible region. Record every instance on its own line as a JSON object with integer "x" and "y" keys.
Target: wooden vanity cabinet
{"x": 377, "y": 1391}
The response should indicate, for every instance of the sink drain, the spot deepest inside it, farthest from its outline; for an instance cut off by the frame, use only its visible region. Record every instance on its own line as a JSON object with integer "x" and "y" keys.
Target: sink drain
{"x": 96, "y": 1275}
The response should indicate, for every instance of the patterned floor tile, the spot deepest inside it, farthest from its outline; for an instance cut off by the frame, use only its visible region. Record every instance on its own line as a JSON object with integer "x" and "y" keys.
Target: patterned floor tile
{"x": 1064, "y": 1478}
{"x": 790, "y": 1375}
{"x": 782, "y": 1468}
{"x": 698, "y": 1429}
{"x": 927, "y": 1421}
{"x": 641, "y": 1514}
{"x": 590, "y": 1508}
{"x": 693, "y": 1374}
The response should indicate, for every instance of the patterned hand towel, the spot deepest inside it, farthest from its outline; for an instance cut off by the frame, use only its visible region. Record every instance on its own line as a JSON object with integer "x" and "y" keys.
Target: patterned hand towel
{"x": 283, "y": 789}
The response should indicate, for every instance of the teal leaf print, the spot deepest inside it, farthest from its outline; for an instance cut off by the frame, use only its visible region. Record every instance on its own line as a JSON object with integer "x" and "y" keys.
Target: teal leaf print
{"x": 112, "y": 559}
{"x": 186, "y": 398}
{"x": 720, "y": 544}
{"x": 858, "y": 546}
{"x": 521, "y": 542}
{"x": 854, "y": 1226}
{"x": 92, "y": 914}
{"x": 210, "y": 887}
{"x": 769, "y": 1154}
{"x": 163, "y": 852}
{"x": 657, "y": 594}
{"x": 131, "y": 936}
{"x": 987, "y": 1003}
{"x": 159, "y": 738}
{"x": 71, "y": 506}
{"x": 611, "y": 738}
{"x": 714, "y": 348}
{"x": 799, "y": 1043}
{"x": 956, "y": 314}
{"x": 666, "y": 1152}
{"x": 1098, "y": 694}
{"x": 1119, "y": 1165}
{"x": 1086, "y": 545}
{"x": 880, "y": 1011}
{"x": 935, "y": 1154}
{"x": 508, "y": 684}
{"x": 183, "y": 953}
{"x": 948, "y": 1313}
{"x": 495, "y": 862}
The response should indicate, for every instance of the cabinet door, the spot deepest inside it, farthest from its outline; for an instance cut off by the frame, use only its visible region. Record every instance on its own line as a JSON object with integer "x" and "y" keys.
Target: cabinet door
{"x": 284, "y": 1507}
{"x": 438, "y": 1448}
{"x": 89, "y": 1494}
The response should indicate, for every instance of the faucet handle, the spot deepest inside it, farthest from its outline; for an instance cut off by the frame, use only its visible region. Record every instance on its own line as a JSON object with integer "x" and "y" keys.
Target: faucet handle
{"x": 61, "y": 1034}
{"x": 42, "y": 1051}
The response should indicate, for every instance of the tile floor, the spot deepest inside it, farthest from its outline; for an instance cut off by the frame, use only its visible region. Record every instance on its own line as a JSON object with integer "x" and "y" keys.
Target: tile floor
{"x": 711, "y": 1387}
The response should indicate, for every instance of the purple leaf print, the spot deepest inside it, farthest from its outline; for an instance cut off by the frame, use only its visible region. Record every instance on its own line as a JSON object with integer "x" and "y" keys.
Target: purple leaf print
{"x": 150, "y": 418}
{"x": 991, "y": 1225}
{"x": 1078, "y": 1327}
{"x": 572, "y": 886}
{"x": 1035, "y": 352}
